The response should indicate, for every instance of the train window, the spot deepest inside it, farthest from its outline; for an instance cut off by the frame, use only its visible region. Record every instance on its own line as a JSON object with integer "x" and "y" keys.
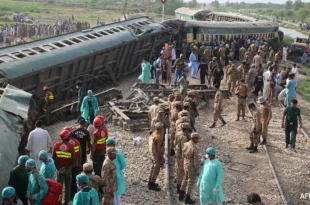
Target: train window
{"x": 120, "y": 28}
{"x": 135, "y": 24}
{"x": 131, "y": 27}
{"x": 96, "y": 34}
{"x": 19, "y": 55}
{"x": 83, "y": 38}
{"x": 114, "y": 29}
{"x": 103, "y": 33}
{"x": 59, "y": 44}
{"x": 75, "y": 40}
{"x": 141, "y": 23}
{"x": 7, "y": 58}
{"x": 109, "y": 31}
{"x": 69, "y": 43}
{"x": 29, "y": 52}
{"x": 1, "y": 61}
{"x": 38, "y": 49}
{"x": 49, "y": 47}
{"x": 90, "y": 36}
{"x": 145, "y": 22}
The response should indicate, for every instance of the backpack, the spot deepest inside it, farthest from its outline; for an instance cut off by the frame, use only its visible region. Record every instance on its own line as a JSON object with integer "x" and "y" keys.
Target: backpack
{"x": 54, "y": 193}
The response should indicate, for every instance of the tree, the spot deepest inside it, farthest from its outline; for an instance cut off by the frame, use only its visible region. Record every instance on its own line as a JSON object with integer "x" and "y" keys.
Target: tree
{"x": 288, "y": 5}
{"x": 215, "y": 3}
{"x": 289, "y": 14}
{"x": 303, "y": 14}
{"x": 297, "y": 5}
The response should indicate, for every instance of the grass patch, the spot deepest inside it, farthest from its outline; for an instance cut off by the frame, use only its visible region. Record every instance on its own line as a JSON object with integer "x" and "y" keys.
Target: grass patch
{"x": 303, "y": 88}
{"x": 288, "y": 40}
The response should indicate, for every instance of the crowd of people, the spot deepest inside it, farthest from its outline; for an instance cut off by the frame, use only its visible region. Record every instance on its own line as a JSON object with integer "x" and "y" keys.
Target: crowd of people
{"x": 17, "y": 33}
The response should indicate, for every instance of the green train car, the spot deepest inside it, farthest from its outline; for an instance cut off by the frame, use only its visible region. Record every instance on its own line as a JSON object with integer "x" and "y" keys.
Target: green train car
{"x": 186, "y": 31}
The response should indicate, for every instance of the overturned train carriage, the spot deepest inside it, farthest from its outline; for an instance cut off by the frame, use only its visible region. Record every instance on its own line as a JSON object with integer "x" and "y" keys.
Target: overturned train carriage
{"x": 95, "y": 57}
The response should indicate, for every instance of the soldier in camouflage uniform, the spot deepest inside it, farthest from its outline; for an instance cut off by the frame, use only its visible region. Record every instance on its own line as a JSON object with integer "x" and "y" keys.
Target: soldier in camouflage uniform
{"x": 183, "y": 117}
{"x": 232, "y": 75}
{"x": 242, "y": 51}
{"x": 160, "y": 117}
{"x": 207, "y": 54}
{"x": 174, "y": 117}
{"x": 191, "y": 158}
{"x": 241, "y": 92}
{"x": 266, "y": 114}
{"x": 212, "y": 66}
{"x": 181, "y": 138}
{"x": 218, "y": 98}
{"x": 153, "y": 109}
{"x": 156, "y": 150}
{"x": 108, "y": 173}
{"x": 192, "y": 109}
{"x": 255, "y": 129}
{"x": 95, "y": 181}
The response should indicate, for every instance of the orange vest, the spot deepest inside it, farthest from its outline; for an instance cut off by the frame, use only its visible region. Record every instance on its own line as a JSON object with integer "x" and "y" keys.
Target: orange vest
{"x": 76, "y": 145}
{"x": 102, "y": 136}
{"x": 49, "y": 97}
{"x": 63, "y": 153}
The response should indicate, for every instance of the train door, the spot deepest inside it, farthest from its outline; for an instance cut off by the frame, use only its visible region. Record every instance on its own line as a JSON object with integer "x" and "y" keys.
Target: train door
{"x": 195, "y": 32}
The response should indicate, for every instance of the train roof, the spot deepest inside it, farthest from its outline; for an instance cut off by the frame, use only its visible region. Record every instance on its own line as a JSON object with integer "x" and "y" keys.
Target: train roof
{"x": 24, "y": 59}
{"x": 221, "y": 24}
{"x": 190, "y": 12}
{"x": 234, "y": 15}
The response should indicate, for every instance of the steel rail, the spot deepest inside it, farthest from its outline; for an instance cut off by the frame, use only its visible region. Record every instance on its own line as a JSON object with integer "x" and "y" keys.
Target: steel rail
{"x": 167, "y": 175}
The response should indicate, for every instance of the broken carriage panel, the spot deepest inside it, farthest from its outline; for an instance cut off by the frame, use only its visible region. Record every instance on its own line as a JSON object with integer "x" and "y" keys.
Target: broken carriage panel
{"x": 81, "y": 59}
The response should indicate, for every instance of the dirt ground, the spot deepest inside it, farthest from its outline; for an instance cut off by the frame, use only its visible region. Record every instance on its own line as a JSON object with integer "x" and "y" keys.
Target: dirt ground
{"x": 243, "y": 172}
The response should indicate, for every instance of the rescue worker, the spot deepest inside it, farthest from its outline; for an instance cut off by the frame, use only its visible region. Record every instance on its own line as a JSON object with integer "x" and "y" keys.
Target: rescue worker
{"x": 257, "y": 60}
{"x": 83, "y": 136}
{"x": 241, "y": 92}
{"x": 89, "y": 107}
{"x": 153, "y": 109}
{"x": 255, "y": 129}
{"x": 19, "y": 179}
{"x": 76, "y": 167}
{"x": 191, "y": 159}
{"x": 266, "y": 115}
{"x": 178, "y": 69}
{"x": 95, "y": 181}
{"x": 120, "y": 163}
{"x": 48, "y": 166}
{"x": 180, "y": 140}
{"x": 8, "y": 195}
{"x": 64, "y": 158}
{"x": 218, "y": 98}
{"x": 211, "y": 179}
{"x": 86, "y": 194}
{"x": 49, "y": 100}
{"x": 157, "y": 155}
{"x": 98, "y": 145}
{"x": 232, "y": 75}
{"x": 203, "y": 68}
{"x": 258, "y": 84}
{"x": 108, "y": 173}
{"x": 250, "y": 79}
{"x": 212, "y": 66}
{"x": 173, "y": 119}
{"x": 37, "y": 187}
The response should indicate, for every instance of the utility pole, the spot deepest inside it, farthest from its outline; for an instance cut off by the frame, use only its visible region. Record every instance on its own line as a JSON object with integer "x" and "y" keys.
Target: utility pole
{"x": 163, "y": 12}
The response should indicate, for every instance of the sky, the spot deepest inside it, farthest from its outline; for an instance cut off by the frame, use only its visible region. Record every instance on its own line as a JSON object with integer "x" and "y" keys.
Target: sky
{"x": 248, "y": 1}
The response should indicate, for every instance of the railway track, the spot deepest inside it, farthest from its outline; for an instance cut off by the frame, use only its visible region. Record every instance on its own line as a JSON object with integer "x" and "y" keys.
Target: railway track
{"x": 286, "y": 165}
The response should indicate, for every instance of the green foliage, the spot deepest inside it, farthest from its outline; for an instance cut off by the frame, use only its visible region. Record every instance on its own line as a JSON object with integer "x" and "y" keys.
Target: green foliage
{"x": 303, "y": 14}
{"x": 288, "y": 40}
{"x": 170, "y": 7}
{"x": 215, "y": 4}
{"x": 303, "y": 88}
{"x": 288, "y": 5}
{"x": 298, "y": 4}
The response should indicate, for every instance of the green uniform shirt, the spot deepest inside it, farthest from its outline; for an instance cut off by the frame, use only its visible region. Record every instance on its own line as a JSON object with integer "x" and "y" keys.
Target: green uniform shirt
{"x": 292, "y": 114}
{"x": 19, "y": 180}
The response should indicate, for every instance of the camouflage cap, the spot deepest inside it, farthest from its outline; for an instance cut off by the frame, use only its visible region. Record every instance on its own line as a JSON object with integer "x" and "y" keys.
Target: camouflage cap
{"x": 111, "y": 150}
{"x": 183, "y": 113}
{"x": 184, "y": 119}
{"x": 155, "y": 99}
{"x": 158, "y": 125}
{"x": 185, "y": 125}
{"x": 186, "y": 104}
{"x": 170, "y": 96}
{"x": 178, "y": 104}
{"x": 87, "y": 167}
{"x": 195, "y": 134}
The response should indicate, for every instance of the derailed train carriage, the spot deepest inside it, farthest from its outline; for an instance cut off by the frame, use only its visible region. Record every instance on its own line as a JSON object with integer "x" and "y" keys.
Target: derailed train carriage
{"x": 186, "y": 31}
{"x": 94, "y": 57}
